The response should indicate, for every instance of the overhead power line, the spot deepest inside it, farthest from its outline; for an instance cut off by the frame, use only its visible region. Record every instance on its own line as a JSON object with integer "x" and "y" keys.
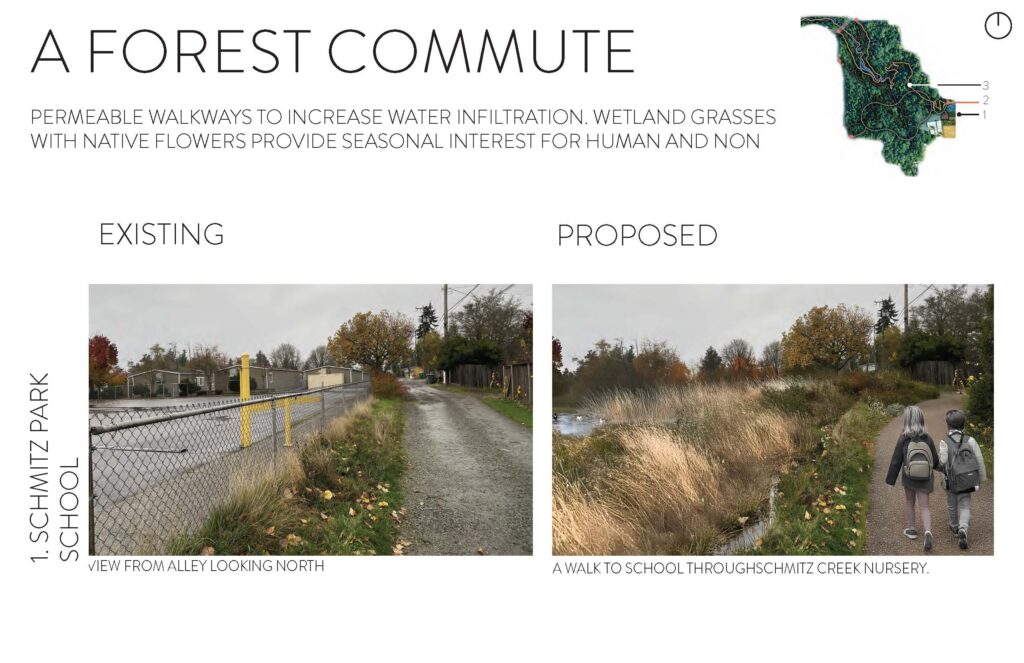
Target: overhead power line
{"x": 921, "y": 294}
{"x": 456, "y": 304}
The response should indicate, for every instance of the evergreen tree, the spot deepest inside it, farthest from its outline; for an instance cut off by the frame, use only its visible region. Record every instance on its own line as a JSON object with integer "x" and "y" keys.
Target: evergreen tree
{"x": 428, "y": 321}
{"x": 887, "y": 315}
{"x": 711, "y": 361}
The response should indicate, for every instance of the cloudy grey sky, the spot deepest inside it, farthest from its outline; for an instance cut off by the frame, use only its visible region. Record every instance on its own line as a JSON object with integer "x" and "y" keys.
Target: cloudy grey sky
{"x": 692, "y": 317}
{"x": 247, "y": 318}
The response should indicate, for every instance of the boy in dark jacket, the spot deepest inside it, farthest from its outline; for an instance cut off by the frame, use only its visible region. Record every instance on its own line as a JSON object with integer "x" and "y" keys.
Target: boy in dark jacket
{"x": 959, "y": 504}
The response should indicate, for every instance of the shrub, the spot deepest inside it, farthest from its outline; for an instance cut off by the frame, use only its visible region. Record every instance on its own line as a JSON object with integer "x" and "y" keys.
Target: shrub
{"x": 886, "y": 387}
{"x": 460, "y": 350}
{"x": 818, "y": 400}
{"x": 235, "y": 384}
{"x": 981, "y": 391}
{"x": 386, "y": 385}
{"x": 981, "y": 399}
{"x": 921, "y": 346}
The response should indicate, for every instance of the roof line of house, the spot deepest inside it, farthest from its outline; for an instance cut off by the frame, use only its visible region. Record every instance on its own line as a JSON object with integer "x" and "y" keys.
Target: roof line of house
{"x": 161, "y": 370}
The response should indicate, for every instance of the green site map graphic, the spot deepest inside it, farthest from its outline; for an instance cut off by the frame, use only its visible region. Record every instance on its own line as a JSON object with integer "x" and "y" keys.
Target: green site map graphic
{"x": 879, "y": 101}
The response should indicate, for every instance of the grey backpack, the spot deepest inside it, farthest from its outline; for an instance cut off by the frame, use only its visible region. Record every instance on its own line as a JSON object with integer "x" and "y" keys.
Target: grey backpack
{"x": 963, "y": 472}
{"x": 917, "y": 460}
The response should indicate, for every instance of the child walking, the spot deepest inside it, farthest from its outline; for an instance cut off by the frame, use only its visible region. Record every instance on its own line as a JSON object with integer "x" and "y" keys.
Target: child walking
{"x": 964, "y": 469}
{"x": 914, "y": 459}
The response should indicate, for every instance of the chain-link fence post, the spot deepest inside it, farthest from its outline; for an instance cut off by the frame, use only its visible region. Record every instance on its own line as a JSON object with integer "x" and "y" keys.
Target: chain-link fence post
{"x": 92, "y": 516}
{"x": 245, "y": 426}
{"x": 273, "y": 426}
{"x": 323, "y": 411}
{"x": 287, "y": 422}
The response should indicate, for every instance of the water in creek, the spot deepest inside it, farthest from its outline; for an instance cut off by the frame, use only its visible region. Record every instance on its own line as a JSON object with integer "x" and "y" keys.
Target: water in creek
{"x": 576, "y": 425}
{"x": 751, "y": 532}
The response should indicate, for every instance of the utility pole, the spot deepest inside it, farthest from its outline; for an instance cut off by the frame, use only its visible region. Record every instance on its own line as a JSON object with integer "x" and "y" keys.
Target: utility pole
{"x": 444, "y": 373}
{"x": 906, "y": 307}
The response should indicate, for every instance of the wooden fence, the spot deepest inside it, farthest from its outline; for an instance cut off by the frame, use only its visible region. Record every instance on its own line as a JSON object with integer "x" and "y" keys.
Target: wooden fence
{"x": 517, "y": 380}
{"x": 942, "y": 373}
{"x": 476, "y": 376}
{"x": 514, "y": 381}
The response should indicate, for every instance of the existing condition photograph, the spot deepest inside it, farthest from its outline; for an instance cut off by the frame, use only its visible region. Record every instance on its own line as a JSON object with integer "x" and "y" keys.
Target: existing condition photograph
{"x": 311, "y": 419}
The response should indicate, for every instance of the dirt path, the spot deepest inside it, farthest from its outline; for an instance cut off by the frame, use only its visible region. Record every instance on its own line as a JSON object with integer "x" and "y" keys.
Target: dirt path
{"x": 885, "y": 514}
{"x": 469, "y": 485}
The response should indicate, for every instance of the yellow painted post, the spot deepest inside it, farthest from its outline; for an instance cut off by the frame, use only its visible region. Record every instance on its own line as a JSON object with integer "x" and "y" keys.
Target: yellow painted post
{"x": 288, "y": 422}
{"x": 243, "y": 390}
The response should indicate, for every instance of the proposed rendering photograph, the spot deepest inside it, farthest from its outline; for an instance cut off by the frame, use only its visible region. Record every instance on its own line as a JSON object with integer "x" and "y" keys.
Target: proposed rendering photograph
{"x": 773, "y": 419}
{"x": 311, "y": 419}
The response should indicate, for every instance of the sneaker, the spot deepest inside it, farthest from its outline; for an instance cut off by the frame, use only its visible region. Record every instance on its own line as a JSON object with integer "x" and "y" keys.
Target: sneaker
{"x": 910, "y": 533}
{"x": 962, "y": 536}
{"x": 927, "y": 541}
{"x": 955, "y": 530}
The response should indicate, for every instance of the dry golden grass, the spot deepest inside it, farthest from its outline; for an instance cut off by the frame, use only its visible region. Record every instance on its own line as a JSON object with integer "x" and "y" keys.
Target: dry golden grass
{"x": 581, "y": 525}
{"x": 258, "y": 499}
{"x": 338, "y": 427}
{"x": 685, "y": 463}
{"x": 383, "y": 429}
{"x": 317, "y": 456}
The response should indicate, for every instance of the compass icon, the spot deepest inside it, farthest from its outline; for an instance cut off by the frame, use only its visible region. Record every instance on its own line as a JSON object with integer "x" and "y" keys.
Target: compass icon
{"x": 998, "y": 25}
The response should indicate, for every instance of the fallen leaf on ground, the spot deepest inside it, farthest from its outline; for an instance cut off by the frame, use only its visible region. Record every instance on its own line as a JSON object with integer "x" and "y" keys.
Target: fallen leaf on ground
{"x": 208, "y": 550}
{"x": 328, "y": 495}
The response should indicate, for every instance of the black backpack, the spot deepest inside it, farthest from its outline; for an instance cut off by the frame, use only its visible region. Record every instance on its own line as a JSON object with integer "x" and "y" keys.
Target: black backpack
{"x": 963, "y": 469}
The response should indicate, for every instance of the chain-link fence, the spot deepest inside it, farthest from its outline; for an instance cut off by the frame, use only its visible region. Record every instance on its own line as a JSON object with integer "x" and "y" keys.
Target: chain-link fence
{"x": 156, "y": 473}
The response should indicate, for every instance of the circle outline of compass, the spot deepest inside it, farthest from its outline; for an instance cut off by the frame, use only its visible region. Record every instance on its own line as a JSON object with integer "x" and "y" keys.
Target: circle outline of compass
{"x": 998, "y": 16}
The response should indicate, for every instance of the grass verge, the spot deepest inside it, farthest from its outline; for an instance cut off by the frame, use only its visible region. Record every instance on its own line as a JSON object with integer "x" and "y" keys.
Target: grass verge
{"x": 518, "y": 412}
{"x": 339, "y": 494}
{"x": 822, "y": 501}
{"x": 985, "y": 438}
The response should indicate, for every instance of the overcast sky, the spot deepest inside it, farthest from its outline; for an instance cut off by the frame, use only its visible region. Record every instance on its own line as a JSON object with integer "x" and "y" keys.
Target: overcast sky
{"x": 692, "y": 317}
{"x": 247, "y": 318}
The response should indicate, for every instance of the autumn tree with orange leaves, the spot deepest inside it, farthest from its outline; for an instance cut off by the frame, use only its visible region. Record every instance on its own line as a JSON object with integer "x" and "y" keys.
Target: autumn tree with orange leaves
{"x": 832, "y": 337}
{"x": 102, "y": 362}
{"x": 658, "y": 364}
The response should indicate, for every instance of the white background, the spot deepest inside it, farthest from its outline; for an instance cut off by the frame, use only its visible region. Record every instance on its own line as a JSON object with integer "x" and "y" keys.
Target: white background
{"x": 810, "y": 206}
